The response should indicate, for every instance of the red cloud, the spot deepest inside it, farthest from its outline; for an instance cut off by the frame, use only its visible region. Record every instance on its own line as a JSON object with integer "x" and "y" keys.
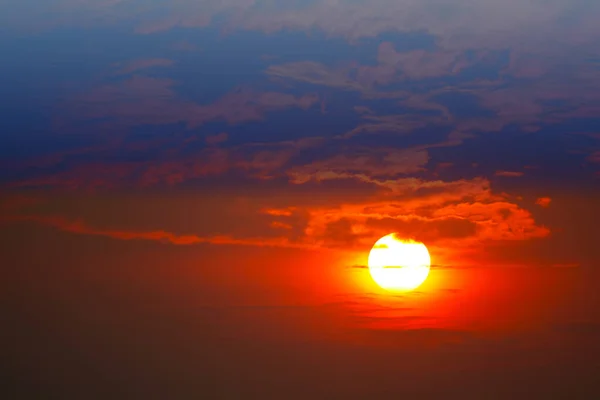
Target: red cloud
{"x": 543, "y": 201}
{"x": 16, "y": 202}
{"x": 279, "y": 212}
{"x": 459, "y": 214}
{"x": 509, "y": 174}
{"x": 594, "y": 157}
{"x": 281, "y": 225}
{"x": 79, "y": 227}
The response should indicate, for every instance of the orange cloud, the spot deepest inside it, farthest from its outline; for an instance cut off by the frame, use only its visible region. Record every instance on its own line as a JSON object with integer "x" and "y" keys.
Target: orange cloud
{"x": 287, "y": 212}
{"x": 543, "y": 201}
{"x": 281, "y": 225}
{"x": 457, "y": 214}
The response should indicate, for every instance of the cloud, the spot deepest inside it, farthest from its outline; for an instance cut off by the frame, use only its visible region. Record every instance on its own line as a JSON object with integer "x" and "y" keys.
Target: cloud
{"x": 392, "y": 66}
{"x": 181, "y": 161}
{"x": 496, "y": 220}
{"x": 462, "y": 23}
{"x": 317, "y": 74}
{"x": 217, "y": 138}
{"x": 89, "y": 176}
{"x": 145, "y": 100}
{"x": 354, "y": 20}
{"x": 509, "y": 174}
{"x": 80, "y": 227}
{"x": 279, "y": 212}
{"x": 15, "y": 202}
{"x": 543, "y": 201}
{"x": 281, "y": 225}
{"x": 432, "y": 266}
{"x": 196, "y": 14}
{"x": 594, "y": 157}
{"x": 426, "y": 230}
{"x": 363, "y": 164}
{"x": 419, "y": 64}
{"x": 455, "y": 214}
{"x": 137, "y": 65}
{"x": 389, "y": 124}
{"x": 527, "y": 28}
{"x": 527, "y": 105}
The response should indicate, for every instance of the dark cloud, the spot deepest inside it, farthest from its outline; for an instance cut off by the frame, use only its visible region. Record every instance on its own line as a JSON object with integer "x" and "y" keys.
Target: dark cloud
{"x": 428, "y": 231}
{"x": 432, "y": 266}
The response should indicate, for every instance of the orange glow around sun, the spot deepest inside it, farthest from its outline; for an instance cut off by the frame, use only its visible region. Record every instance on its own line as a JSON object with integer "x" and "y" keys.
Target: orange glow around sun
{"x": 397, "y": 264}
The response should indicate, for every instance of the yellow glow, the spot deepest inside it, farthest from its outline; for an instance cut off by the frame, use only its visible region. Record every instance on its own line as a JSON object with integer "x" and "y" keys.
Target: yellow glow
{"x": 397, "y": 264}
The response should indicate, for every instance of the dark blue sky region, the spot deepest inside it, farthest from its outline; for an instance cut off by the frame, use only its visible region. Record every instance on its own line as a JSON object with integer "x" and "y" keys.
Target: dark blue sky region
{"x": 133, "y": 84}
{"x": 156, "y": 84}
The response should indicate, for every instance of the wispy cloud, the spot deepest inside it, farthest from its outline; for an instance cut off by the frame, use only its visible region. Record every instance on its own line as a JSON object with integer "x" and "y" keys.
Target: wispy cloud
{"x": 137, "y": 65}
{"x": 80, "y": 227}
{"x": 509, "y": 174}
{"x": 145, "y": 100}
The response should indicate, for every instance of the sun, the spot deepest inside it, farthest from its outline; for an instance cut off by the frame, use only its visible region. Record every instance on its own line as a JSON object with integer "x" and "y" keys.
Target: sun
{"x": 397, "y": 264}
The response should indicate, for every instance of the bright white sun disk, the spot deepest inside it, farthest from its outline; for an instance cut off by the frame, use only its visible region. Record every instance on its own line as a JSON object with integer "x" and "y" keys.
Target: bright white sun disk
{"x": 397, "y": 264}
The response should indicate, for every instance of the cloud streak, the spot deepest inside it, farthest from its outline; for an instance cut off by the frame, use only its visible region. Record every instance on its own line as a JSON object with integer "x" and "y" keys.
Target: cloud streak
{"x": 80, "y": 227}
{"x": 146, "y": 100}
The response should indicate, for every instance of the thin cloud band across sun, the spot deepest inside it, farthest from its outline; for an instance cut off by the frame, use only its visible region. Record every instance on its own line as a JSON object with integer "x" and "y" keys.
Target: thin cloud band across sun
{"x": 399, "y": 265}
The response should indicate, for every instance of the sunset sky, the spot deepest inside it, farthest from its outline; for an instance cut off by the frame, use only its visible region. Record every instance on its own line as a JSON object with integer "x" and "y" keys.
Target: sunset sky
{"x": 190, "y": 189}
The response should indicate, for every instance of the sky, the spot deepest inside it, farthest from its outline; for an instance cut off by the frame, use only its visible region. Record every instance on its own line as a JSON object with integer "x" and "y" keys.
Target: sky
{"x": 189, "y": 191}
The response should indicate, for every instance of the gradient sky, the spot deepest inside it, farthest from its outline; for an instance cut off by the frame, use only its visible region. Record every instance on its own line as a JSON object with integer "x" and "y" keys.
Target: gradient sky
{"x": 189, "y": 190}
